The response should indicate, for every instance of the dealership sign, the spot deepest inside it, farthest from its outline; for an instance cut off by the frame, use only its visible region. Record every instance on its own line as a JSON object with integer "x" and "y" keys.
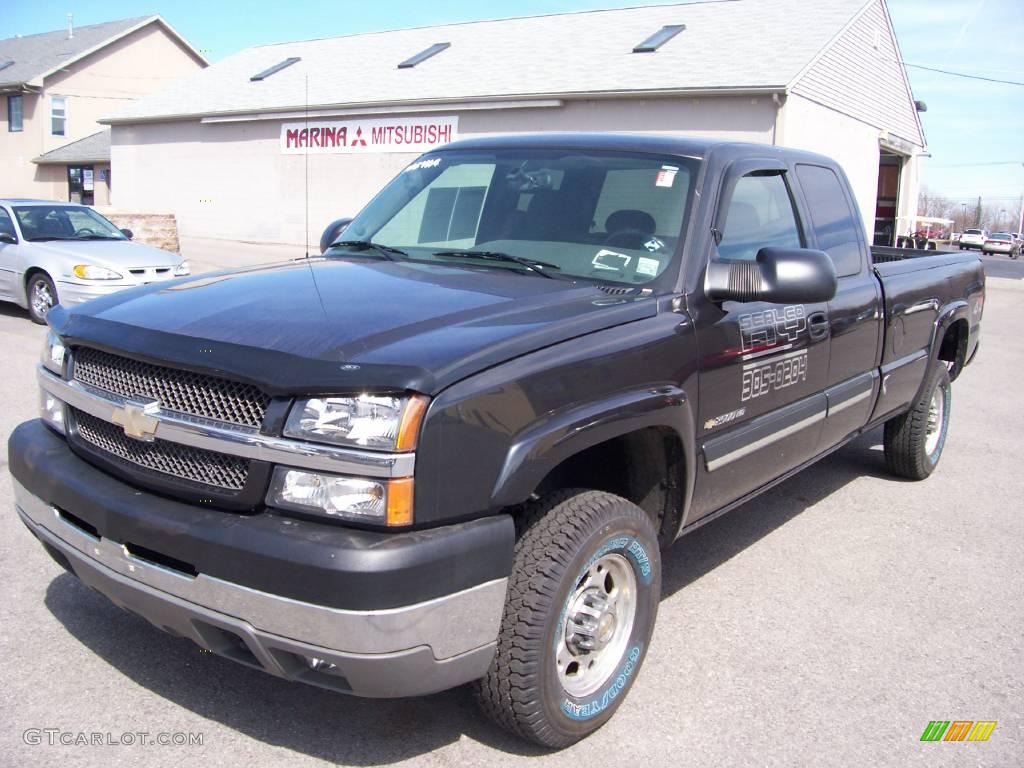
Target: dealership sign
{"x": 402, "y": 134}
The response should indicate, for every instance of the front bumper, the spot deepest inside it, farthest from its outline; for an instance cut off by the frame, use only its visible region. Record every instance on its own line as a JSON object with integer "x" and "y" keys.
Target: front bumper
{"x": 72, "y": 293}
{"x": 428, "y": 644}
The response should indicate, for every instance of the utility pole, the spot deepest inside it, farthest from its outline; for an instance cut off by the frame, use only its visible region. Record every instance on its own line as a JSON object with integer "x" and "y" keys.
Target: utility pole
{"x": 963, "y": 218}
{"x": 977, "y": 214}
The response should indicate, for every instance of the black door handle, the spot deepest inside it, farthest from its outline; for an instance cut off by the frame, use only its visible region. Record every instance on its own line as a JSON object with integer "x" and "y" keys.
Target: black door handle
{"x": 818, "y": 325}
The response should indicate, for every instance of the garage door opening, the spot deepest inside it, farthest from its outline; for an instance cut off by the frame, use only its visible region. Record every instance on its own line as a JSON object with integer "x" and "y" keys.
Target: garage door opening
{"x": 890, "y": 171}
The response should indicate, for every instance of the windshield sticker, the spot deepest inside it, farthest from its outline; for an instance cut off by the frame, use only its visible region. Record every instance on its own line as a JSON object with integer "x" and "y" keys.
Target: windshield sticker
{"x": 423, "y": 164}
{"x": 649, "y": 267}
{"x": 654, "y": 244}
{"x": 666, "y": 176}
{"x": 611, "y": 261}
{"x": 763, "y": 377}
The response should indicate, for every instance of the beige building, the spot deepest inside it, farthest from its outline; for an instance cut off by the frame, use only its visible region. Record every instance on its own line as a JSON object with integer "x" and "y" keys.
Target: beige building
{"x": 54, "y": 88}
{"x": 232, "y": 150}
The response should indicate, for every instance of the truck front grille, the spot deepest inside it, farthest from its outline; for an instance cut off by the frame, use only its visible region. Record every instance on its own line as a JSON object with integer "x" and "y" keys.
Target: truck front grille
{"x": 186, "y": 392}
{"x": 194, "y": 465}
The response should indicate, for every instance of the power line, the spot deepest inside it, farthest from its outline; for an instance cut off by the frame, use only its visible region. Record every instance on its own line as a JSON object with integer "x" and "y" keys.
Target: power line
{"x": 963, "y": 74}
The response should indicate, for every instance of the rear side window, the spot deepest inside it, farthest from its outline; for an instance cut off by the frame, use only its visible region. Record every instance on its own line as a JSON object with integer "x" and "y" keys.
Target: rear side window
{"x": 833, "y": 219}
{"x": 760, "y": 215}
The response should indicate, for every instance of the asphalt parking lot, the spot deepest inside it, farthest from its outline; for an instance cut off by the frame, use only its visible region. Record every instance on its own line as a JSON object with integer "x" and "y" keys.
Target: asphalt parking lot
{"x": 824, "y": 624}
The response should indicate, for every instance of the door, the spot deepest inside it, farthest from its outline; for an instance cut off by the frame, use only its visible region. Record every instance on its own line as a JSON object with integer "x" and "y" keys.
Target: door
{"x": 81, "y": 184}
{"x": 764, "y": 366}
{"x": 8, "y": 256}
{"x": 855, "y": 314}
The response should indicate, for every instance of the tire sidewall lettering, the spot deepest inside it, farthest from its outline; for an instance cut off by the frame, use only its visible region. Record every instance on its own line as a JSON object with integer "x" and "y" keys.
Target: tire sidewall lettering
{"x": 593, "y": 705}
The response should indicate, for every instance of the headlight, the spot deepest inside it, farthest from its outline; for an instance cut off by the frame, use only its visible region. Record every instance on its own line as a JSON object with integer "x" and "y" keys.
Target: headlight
{"x": 383, "y": 502}
{"x": 183, "y": 270}
{"x": 52, "y": 357}
{"x": 92, "y": 272}
{"x": 371, "y": 421}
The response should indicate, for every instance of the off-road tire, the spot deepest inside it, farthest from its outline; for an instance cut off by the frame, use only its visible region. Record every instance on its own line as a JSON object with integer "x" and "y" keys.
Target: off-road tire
{"x": 560, "y": 539}
{"x": 906, "y": 436}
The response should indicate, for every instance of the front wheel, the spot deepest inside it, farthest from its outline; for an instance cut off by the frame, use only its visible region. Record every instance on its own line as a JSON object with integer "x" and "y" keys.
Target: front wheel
{"x": 579, "y": 613}
{"x": 915, "y": 439}
{"x": 42, "y": 297}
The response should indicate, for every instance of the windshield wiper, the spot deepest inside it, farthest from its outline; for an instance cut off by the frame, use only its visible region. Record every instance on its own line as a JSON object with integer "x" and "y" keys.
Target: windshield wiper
{"x": 538, "y": 267}
{"x": 386, "y": 251}
{"x": 46, "y": 238}
{"x": 97, "y": 237}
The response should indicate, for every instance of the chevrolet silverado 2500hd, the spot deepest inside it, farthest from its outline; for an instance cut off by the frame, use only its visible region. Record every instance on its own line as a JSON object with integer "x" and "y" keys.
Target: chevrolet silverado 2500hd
{"x": 452, "y": 448}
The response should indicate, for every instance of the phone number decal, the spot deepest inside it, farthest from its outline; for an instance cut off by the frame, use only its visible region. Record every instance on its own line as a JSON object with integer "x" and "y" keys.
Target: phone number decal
{"x": 761, "y": 378}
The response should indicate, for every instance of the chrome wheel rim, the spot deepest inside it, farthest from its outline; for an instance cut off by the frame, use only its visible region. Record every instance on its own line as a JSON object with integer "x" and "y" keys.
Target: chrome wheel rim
{"x": 936, "y": 416}
{"x": 42, "y": 299}
{"x": 596, "y": 626}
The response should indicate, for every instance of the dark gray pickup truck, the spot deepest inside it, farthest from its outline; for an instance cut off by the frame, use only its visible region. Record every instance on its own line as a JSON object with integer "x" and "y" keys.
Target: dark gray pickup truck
{"x": 452, "y": 448}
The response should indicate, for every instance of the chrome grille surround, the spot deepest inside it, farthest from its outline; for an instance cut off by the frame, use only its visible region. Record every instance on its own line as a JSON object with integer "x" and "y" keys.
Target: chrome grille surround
{"x": 195, "y": 394}
{"x": 182, "y": 462}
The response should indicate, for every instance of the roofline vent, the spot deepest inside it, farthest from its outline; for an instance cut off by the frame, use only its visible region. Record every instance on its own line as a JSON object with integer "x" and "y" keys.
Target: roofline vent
{"x": 659, "y": 38}
{"x": 276, "y": 68}
{"x": 422, "y": 56}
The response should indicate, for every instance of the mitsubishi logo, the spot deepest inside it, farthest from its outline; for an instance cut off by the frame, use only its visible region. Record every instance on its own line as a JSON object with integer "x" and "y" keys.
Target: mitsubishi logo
{"x": 137, "y": 419}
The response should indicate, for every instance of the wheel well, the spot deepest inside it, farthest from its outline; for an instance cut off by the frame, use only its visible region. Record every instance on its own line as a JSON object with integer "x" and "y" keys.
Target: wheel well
{"x": 953, "y": 348}
{"x": 30, "y": 273}
{"x": 645, "y": 467}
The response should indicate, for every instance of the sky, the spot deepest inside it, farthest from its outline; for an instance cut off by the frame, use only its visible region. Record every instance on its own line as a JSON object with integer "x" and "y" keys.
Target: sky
{"x": 975, "y": 128}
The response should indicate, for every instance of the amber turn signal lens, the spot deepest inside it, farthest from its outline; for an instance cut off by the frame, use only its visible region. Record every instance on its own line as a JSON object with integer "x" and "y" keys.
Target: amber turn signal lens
{"x": 400, "y": 502}
{"x": 412, "y": 419}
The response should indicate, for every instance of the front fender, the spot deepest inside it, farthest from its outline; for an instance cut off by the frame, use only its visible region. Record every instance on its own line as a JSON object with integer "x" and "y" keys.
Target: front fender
{"x": 548, "y": 442}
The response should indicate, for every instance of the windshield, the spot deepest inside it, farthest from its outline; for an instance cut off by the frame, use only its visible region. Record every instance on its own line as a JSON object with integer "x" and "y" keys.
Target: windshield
{"x": 973, "y": 232}
{"x": 1000, "y": 236}
{"x": 64, "y": 222}
{"x": 606, "y": 216}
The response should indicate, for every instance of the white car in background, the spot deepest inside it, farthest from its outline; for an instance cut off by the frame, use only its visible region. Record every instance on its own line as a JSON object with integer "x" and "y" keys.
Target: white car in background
{"x": 973, "y": 238}
{"x": 66, "y": 253}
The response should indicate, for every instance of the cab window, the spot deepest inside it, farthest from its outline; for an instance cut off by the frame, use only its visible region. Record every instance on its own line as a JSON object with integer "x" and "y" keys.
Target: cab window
{"x": 760, "y": 215}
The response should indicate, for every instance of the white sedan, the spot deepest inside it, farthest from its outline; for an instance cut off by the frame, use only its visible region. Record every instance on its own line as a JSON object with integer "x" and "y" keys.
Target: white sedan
{"x": 61, "y": 252}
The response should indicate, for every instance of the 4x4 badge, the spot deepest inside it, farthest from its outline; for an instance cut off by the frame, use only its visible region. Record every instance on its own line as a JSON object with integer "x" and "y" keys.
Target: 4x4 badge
{"x": 137, "y": 419}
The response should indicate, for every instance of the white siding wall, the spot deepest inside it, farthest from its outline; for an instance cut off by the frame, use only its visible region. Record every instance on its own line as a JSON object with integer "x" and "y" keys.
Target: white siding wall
{"x": 853, "y": 144}
{"x": 864, "y": 81}
{"x": 230, "y": 180}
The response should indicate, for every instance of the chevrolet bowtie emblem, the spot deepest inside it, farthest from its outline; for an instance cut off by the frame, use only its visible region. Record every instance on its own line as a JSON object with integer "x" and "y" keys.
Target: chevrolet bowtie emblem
{"x": 136, "y": 416}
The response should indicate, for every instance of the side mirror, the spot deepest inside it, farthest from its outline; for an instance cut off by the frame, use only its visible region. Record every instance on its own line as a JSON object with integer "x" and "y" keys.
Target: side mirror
{"x": 127, "y": 233}
{"x": 777, "y": 275}
{"x": 333, "y": 232}
{"x": 8, "y": 238}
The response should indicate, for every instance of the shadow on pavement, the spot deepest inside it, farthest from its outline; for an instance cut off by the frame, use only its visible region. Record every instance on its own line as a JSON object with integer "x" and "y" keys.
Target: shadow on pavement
{"x": 346, "y": 730}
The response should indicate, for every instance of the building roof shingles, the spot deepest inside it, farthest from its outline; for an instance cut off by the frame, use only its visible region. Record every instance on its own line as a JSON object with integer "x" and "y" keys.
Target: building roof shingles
{"x": 727, "y": 45}
{"x": 91, "y": 149}
{"x": 35, "y": 55}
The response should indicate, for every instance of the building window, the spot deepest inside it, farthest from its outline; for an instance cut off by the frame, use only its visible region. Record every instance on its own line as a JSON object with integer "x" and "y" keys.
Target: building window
{"x": 14, "y": 114}
{"x": 58, "y": 116}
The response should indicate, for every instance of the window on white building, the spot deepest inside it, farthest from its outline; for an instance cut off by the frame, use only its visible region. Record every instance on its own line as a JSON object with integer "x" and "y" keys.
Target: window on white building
{"x": 58, "y": 116}
{"x": 14, "y": 113}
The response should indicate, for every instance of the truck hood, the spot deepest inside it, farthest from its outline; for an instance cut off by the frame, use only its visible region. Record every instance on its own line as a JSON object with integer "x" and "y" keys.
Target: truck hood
{"x": 342, "y": 325}
{"x": 113, "y": 254}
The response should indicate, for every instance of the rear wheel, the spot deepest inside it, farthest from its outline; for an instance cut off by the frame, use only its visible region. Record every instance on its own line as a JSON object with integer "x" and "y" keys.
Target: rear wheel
{"x": 579, "y": 613}
{"x": 914, "y": 440}
{"x": 42, "y": 297}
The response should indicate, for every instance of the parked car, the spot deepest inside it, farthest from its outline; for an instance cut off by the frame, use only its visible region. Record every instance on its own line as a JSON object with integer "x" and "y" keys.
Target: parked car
{"x": 54, "y": 252}
{"x": 973, "y": 238}
{"x": 452, "y": 448}
{"x": 1002, "y": 242}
